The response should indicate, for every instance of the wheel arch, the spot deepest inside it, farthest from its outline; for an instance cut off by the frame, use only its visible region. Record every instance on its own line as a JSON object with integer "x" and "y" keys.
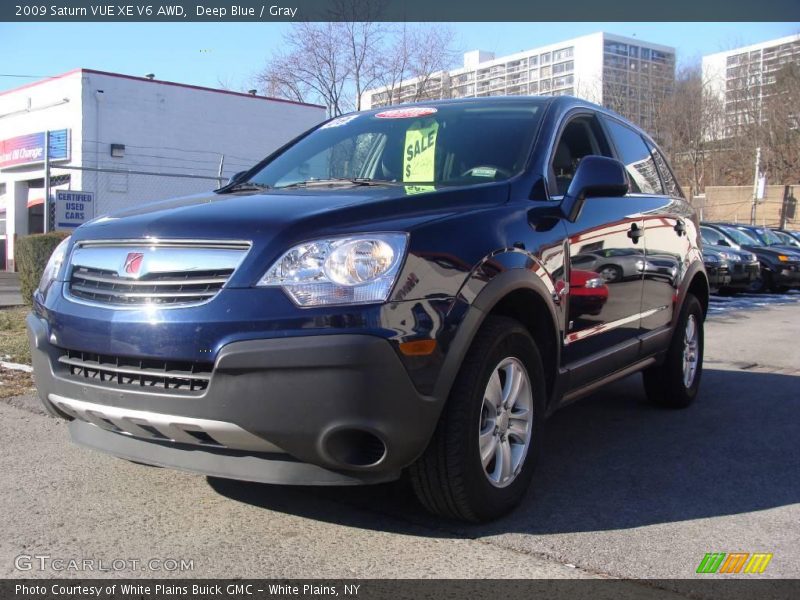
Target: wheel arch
{"x": 518, "y": 294}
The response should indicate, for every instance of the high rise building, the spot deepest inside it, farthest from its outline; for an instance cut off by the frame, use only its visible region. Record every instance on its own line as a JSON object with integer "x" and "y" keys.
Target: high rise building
{"x": 743, "y": 78}
{"x": 625, "y": 74}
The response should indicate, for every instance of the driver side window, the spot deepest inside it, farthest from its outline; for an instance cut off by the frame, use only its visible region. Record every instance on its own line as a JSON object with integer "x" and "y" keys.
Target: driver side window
{"x": 581, "y": 137}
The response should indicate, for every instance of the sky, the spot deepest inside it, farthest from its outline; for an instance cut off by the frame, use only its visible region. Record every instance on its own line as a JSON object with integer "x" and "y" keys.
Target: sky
{"x": 230, "y": 54}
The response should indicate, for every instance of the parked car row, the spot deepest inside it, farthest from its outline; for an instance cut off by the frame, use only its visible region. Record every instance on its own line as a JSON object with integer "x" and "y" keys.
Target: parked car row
{"x": 750, "y": 258}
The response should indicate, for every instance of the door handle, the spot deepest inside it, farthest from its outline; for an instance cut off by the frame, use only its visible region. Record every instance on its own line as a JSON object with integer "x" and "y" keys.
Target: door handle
{"x": 635, "y": 232}
{"x": 680, "y": 228}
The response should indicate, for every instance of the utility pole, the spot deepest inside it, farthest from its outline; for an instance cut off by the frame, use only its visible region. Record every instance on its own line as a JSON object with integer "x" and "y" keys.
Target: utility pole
{"x": 221, "y": 167}
{"x": 755, "y": 187}
{"x": 46, "y": 218}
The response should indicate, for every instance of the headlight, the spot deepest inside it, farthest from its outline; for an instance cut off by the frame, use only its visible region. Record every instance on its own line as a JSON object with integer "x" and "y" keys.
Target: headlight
{"x": 595, "y": 282}
{"x": 53, "y": 266}
{"x": 356, "y": 269}
{"x": 783, "y": 258}
{"x": 710, "y": 258}
{"x": 731, "y": 256}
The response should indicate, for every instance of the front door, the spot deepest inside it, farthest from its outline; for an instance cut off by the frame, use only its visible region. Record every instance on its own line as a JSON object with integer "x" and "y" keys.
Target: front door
{"x": 607, "y": 260}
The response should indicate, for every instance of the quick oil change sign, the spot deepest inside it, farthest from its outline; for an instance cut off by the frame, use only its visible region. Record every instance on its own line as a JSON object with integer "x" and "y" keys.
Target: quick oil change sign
{"x": 73, "y": 208}
{"x": 29, "y": 149}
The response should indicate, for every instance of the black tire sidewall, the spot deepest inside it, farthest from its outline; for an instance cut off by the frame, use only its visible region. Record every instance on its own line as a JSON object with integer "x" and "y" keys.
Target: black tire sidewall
{"x": 670, "y": 388}
{"x": 488, "y": 500}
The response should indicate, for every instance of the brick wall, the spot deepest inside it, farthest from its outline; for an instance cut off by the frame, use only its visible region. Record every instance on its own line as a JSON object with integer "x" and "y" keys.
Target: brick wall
{"x": 732, "y": 204}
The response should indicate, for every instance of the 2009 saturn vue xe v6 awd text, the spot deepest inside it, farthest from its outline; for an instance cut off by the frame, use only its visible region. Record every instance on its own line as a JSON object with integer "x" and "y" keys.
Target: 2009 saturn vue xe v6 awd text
{"x": 401, "y": 288}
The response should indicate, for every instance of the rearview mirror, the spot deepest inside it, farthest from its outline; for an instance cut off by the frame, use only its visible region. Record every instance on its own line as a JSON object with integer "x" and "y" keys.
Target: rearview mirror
{"x": 595, "y": 176}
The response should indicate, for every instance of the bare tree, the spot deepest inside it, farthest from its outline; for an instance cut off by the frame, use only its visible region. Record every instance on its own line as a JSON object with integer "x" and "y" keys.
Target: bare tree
{"x": 335, "y": 63}
{"x": 315, "y": 67}
{"x": 688, "y": 125}
{"x": 781, "y": 124}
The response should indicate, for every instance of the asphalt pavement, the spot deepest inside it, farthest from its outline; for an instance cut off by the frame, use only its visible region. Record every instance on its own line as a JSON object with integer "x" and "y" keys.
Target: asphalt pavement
{"x": 624, "y": 490}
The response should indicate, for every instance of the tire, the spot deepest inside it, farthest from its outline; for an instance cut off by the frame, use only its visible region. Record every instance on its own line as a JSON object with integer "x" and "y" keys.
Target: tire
{"x": 612, "y": 273}
{"x": 760, "y": 285}
{"x": 450, "y": 479}
{"x": 666, "y": 384}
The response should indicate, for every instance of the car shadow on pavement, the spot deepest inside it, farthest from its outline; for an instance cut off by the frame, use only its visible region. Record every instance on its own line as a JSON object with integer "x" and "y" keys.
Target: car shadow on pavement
{"x": 611, "y": 461}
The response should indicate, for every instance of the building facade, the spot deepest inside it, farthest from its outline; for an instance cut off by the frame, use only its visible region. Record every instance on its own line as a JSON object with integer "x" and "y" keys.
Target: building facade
{"x": 127, "y": 141}
{"x": 743, "y": 78}
{"x": 628, "y": 75}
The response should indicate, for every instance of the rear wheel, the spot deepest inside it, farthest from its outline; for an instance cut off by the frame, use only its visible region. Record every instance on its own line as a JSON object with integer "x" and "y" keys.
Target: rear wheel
{"x": 675, "y": 382}
{"x": 480, "y": 460}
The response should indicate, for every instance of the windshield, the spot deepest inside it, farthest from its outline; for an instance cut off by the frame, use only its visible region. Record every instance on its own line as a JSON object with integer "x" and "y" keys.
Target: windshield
{"x": 445, "y": 145}
{"x": 766, "y": 236}
{"x": 740, "y": 237}
{"x": 712, "y": 237}
{"x": 787, "y": 240}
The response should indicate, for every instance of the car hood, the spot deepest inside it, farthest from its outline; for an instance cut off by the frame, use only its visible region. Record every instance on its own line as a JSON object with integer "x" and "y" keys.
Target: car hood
{"x": 772, "y": 252}
{"x": 298, "y": 212}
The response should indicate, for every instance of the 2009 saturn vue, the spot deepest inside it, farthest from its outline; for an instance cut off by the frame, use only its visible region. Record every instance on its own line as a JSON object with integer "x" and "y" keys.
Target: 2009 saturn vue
{"x": 397, "y": 289}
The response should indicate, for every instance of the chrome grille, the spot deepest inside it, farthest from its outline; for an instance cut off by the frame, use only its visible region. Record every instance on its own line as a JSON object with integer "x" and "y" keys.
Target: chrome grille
{"x": 158, "y": 288}
{"x": 190, "y": 377}
{"x": 135, "y": 273}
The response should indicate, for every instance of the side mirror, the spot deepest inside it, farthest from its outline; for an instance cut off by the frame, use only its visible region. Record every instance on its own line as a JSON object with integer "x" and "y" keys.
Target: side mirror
{"x": 235, "y": 177}
{"x": 595, "y": 176}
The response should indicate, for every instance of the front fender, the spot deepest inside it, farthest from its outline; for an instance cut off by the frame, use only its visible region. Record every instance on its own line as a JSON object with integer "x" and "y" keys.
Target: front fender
{"x": 481, "y": 294}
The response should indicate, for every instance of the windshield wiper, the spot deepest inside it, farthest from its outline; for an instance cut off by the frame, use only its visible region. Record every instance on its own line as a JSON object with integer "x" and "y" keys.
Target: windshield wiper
{"x": 360, "y": 181}
{"x": 246, "y": 186}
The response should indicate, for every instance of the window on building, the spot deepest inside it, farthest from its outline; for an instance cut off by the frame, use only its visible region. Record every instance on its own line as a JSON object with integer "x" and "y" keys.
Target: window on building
{"x": 616, "y": 48}
{"x": 646, "y": 53}
{"x": 545, "y": 72}
{"x": 562, "y": 54}
{"x": 564, "y": 67}
{"x": 639, "y": 163}
{"x": 658, "y": 56}
{"x": 545, "y": 58}
{"x": 564, "y": 81}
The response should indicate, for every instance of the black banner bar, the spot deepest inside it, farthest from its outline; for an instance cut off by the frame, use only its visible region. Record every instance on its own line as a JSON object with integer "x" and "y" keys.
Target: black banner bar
{"x": 395, "y": 10}
{"x": 382, "y": 589}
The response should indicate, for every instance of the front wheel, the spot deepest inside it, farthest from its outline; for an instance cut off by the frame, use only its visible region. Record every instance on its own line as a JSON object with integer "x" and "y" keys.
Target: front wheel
{"x": 674, "y": 383}
{"x": 480, "y": 461}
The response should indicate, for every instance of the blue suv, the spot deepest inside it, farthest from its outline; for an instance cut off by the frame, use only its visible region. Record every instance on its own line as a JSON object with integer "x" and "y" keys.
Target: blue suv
{"x": 411, "y": 288}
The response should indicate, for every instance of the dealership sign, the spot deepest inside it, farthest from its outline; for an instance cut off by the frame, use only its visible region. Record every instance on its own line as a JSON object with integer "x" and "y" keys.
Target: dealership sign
{"x": 29, "y": 149}
{"x": 73, "y": 208}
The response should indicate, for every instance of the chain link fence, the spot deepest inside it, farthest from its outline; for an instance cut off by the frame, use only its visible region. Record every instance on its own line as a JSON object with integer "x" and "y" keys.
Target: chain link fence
{"x": 119, "y": 189}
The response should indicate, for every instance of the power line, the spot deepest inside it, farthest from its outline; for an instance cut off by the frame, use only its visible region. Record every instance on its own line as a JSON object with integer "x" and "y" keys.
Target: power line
{"x": 28, "y": 76}
{"x": 214, "y": 152}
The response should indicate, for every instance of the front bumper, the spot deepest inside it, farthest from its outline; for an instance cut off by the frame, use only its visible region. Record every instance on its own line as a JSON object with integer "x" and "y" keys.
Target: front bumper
{"x": 718, "y": 275}
{"x": 787, "y": 275}
{"x": 743, "y": 275}
{"x": 326, "y": 409}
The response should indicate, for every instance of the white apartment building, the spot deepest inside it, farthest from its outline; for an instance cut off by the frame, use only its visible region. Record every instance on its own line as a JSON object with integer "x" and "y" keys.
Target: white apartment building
{"x": 625, "y": 74}
{"x": 744, "y": 76}
{"x": 110, "y": 132}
